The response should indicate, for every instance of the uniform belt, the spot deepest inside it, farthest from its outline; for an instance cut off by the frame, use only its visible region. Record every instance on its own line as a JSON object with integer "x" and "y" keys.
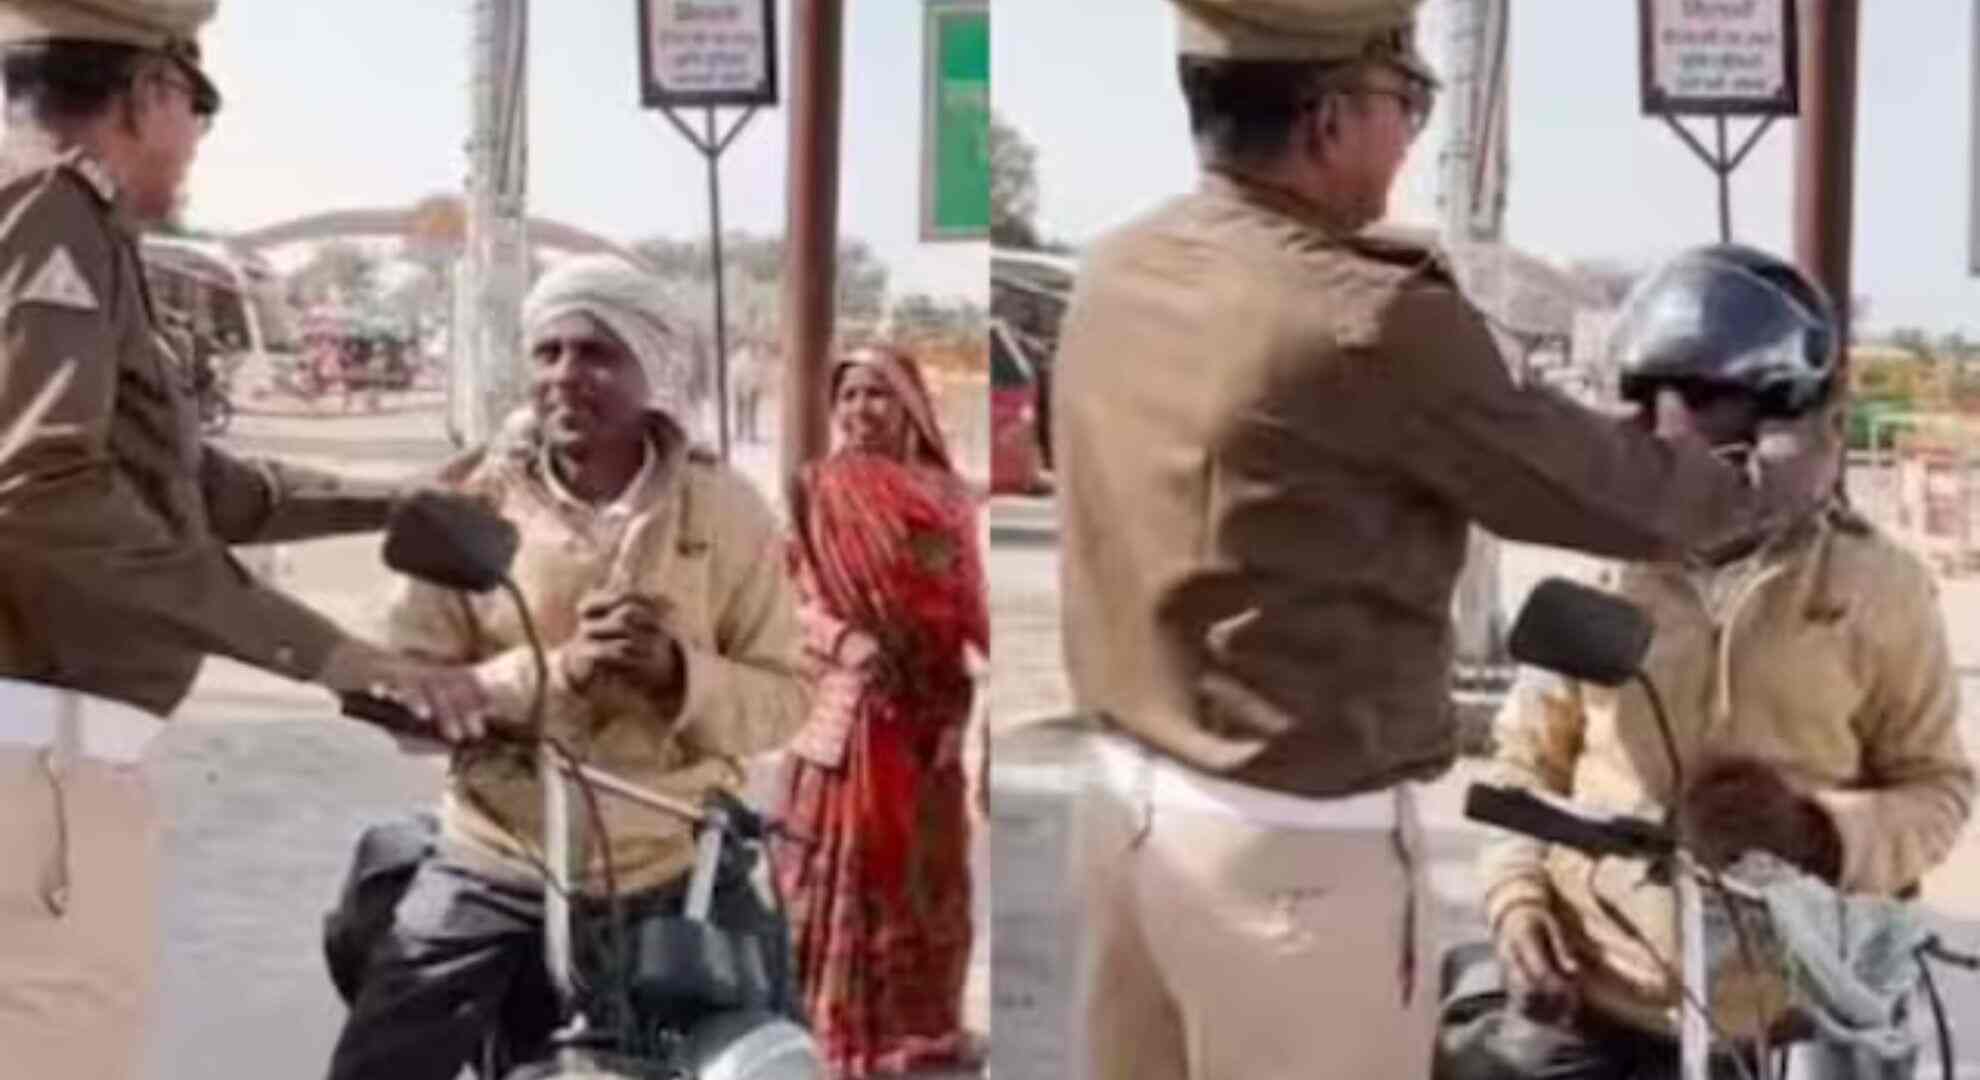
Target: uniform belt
{"x": 1130, "y": 769}
{"x": 32, "y": 714}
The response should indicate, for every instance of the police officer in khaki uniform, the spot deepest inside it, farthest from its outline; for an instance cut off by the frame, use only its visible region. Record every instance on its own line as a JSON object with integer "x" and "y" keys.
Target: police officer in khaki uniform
{"x": 1274, "y": 429}
{"x": 115, "y": 575}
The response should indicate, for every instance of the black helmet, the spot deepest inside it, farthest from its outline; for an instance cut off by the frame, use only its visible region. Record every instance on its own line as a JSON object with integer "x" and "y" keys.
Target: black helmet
{"x": 1734, "y": 318}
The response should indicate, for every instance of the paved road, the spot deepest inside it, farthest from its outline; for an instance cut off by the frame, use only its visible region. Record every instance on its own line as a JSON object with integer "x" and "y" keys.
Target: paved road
{"x": 266, "y": 790}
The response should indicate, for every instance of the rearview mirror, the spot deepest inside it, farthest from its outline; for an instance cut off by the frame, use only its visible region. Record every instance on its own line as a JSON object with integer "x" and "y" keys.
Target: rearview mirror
{"x": 451, "y": 541}
{"x": 1581, "y": 633}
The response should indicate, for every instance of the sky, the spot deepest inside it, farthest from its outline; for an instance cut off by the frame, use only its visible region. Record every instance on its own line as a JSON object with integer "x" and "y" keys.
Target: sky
{"x": 1092, "y": 85}
{"x": 363, "y": 103}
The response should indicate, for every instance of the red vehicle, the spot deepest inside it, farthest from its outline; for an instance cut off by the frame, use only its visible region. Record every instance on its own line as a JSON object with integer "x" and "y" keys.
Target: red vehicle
{"x": 1017, "y": 459}
{"x": 1028, "y": 293}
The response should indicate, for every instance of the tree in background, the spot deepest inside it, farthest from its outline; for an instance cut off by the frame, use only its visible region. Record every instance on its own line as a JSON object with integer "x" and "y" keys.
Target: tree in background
{"x": 753, "y": 268}
{"x": 420, "y": 300}
{"x": 1955, "y": 349}
{"x": 435, "y": 243}
{"x": 862, "y": 281}
{"x": 1013, "y": 187}
{"x": 338, "y": 272}
{"x": 753, "y": 261}
{"x": 1913, "y": 340}
{"x": 948, "y": 336}
{"x": 921, "y": 314}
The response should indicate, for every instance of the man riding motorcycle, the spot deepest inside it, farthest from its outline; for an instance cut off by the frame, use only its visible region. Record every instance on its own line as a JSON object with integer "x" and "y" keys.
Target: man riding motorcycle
{"x": 1811, "y": 700}
{"x": 655, "y": 574}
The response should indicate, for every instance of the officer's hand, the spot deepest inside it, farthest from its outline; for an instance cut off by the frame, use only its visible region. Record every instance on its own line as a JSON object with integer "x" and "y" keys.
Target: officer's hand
{"x": 1538, "y": 967}
{"x": 1799, "y": 460}
{"x": 450, "y": 697}
{"x": 1738, "y": 805}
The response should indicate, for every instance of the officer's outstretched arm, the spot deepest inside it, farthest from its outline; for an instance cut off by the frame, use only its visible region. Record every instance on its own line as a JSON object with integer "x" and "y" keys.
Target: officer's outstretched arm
{"x": 269, "y": 502}
{"x": 67, "y": 506}
{"x": 1531, "y": 465}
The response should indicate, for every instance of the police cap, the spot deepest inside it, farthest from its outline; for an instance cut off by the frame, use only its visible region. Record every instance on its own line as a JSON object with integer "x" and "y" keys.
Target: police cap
{"x": 1323, "y": 31}
{"x": 168, "y": 27}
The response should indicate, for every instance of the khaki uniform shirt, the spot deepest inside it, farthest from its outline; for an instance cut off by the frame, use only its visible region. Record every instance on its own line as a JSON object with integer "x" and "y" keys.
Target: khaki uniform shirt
{"x": 1271, "y": 439}
{"x": 115, "y": 576}
{"x": 688, "y": 531}
{"x": 1825, "y": 657}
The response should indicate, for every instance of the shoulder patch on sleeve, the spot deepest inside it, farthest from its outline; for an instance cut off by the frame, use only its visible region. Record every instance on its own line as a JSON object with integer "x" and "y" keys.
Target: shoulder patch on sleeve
{"x": 59, "y": 283}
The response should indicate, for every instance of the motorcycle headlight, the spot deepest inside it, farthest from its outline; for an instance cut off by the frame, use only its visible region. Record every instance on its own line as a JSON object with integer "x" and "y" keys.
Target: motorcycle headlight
{"x": 752, "y": 1046}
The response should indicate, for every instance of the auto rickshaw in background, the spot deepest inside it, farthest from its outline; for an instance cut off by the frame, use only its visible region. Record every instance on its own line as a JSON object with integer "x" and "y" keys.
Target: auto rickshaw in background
{"x": 1029, "y": 291}
{"x": 364, "y": 357}
{"x": 1018, "y": 437}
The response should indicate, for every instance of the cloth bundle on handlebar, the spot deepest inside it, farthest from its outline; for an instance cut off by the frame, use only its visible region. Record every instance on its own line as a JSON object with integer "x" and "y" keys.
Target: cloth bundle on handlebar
{"x": 1853, "y": 958}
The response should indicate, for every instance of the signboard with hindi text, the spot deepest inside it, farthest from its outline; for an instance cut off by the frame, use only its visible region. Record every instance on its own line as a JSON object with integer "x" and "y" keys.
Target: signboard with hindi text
{"x": 707, "y": 52}
{"x": 1718, "y": 57}
{"x": 955, "y": 124}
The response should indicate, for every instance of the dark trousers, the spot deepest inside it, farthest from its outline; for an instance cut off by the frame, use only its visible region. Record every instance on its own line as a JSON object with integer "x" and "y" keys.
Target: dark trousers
{"x": 464, "y": 957}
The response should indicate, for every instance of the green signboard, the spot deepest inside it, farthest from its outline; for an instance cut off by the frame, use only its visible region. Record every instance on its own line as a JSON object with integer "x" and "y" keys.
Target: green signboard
{"x": 955, "y": 121}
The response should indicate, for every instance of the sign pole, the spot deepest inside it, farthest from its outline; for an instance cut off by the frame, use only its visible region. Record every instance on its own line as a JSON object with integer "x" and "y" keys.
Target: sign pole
{"x": 1706, "y": 61}
{"x": 711, "y": 149}
{"x": 715, "y": 255}
{"x": 1722, "y": 166}
{"x": 709, "y": 54}
{"x": 1725, "y": 186}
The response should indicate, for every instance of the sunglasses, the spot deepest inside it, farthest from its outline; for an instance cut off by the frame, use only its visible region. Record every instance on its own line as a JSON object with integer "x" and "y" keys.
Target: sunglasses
{"x": 1415, "y": 102}
{"x": 1696, "y": 394}
{"x": 200, "y": 95}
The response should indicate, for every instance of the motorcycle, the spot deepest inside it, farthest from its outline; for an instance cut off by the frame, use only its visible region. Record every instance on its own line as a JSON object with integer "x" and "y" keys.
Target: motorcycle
{"x": 662, "y": 997}
{"x": 1727, "y": 939}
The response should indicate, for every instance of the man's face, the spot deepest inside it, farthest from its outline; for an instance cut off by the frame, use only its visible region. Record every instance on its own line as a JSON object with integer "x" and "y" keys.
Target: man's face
{"x": 164, "y": 133}
{"x": 587, "y": 389}
{"x": 1719, "y": 417}
{"x": 1366, "y": 126}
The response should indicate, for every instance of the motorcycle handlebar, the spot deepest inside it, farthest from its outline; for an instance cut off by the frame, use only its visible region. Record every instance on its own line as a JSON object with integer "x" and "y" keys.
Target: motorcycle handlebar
{"x": 724, "y": 810}
{"x": 387, "y": 714}
{"x": 1557, "y": 822}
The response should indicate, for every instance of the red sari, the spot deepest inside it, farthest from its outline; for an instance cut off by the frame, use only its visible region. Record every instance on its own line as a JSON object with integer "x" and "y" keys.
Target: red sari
{"x": 880, "y": 904}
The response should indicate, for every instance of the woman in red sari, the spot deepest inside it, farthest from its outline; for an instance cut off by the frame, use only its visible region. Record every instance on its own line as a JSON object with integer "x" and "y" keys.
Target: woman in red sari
{"x": 892, "y": 583}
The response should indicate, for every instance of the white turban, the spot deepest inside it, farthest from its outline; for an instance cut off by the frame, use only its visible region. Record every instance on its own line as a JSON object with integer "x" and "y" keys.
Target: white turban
{"x": 635, "y": 307}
